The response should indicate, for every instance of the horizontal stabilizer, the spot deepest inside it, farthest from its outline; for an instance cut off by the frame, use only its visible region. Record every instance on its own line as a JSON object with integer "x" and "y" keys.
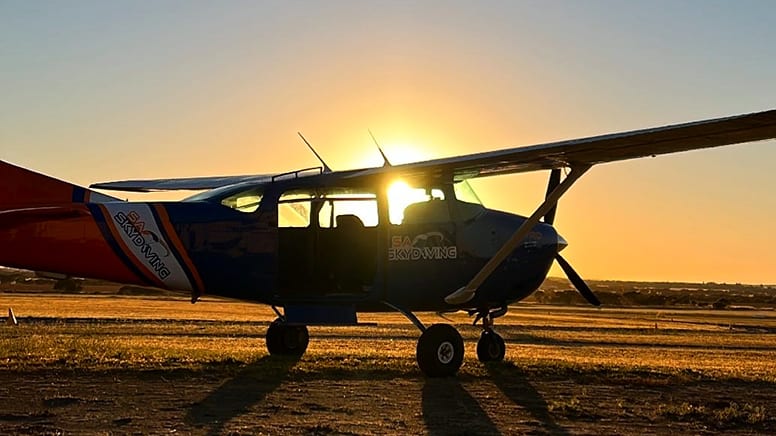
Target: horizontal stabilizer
{"x": 15, "y": 217}
{"x": 183, "y": 184}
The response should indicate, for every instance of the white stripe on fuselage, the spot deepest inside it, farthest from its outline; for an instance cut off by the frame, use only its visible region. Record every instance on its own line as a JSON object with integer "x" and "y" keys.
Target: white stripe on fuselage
{"x": 140, "y": 232}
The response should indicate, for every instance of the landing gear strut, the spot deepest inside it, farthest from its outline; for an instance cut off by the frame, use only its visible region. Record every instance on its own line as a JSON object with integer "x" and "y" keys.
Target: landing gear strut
{"x": 491, "y": 346}
{"x": 287, "y": 340}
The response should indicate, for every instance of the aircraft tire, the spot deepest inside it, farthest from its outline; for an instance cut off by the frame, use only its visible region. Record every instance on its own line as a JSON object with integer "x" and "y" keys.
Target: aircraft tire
{"x": 491, "y": 347}
{"x": 287, "y": 340}
{"x": 440, "y": 351}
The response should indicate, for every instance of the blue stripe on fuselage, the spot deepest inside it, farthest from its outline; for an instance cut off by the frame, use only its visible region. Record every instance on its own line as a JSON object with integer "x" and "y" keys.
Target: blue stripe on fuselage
{"x": 99, "y": 218}
{"x": 173, "y": 249}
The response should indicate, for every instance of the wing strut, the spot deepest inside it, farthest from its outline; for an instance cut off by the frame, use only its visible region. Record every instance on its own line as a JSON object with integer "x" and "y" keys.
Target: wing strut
{"x": 467, "y": 292}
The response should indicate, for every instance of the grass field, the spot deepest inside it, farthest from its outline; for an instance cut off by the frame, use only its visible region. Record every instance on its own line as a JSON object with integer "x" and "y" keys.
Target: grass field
{"x": 158, "y": 364}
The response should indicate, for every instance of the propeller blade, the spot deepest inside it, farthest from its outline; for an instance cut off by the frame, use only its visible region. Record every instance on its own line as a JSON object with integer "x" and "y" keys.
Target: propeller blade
{"x": 554, "y": 181}
{"x": 577, "y": 281}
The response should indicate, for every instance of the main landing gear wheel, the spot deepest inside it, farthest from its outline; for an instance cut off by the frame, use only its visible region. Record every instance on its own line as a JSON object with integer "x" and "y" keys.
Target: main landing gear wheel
{"x": 491, "y": 347}
{"x": 287, "y": 340}
{"x": 440, "y": 351}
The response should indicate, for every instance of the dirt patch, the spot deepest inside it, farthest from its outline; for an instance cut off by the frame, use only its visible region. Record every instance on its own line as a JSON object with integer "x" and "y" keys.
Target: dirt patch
{"x": 270, "y": 396}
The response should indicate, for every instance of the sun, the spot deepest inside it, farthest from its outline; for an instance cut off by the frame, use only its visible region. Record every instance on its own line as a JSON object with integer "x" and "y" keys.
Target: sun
{"x": 401, "y": 195}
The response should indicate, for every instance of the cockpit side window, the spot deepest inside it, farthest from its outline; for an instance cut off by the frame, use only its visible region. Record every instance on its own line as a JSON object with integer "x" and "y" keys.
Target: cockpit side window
{"x": 407, "y": 204}
{"x": 245, "y": 201}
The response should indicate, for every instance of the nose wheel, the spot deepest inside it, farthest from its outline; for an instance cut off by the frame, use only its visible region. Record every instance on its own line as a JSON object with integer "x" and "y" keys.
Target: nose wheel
{"x": 491, "y": 346}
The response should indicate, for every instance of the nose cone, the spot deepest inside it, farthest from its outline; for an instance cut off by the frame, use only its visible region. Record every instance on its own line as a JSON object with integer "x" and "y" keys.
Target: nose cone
{"x": 561, "y": 243}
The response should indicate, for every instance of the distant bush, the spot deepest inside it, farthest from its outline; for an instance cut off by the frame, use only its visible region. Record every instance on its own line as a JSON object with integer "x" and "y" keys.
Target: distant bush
{"x": 721, "y": 303}
{"x": 68, "y": 285}
{"x": 140, "y": 291}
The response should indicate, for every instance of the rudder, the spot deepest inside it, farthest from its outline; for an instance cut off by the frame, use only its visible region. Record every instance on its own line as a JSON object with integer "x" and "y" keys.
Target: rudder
{"x": 20, "y": 187}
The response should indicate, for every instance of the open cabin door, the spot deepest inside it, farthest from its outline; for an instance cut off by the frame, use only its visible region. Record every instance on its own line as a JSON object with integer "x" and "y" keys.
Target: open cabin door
{"x": 328, "y": 243}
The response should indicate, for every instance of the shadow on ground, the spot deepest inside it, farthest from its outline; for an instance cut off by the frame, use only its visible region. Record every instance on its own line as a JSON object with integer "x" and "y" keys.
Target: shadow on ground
{"x": 449, "y": 409}
{"x": 515, "y": 385}
{"x": 235, "y": 396}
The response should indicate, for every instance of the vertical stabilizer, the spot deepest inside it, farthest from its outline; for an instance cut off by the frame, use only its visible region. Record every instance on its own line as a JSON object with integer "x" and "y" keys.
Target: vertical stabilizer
{"x": 20, "y": 187}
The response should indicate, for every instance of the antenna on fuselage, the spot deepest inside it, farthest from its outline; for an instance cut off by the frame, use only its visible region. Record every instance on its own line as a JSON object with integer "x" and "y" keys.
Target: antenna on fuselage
{"x": 326, "y": 168}
{"x": 386, "y": 163}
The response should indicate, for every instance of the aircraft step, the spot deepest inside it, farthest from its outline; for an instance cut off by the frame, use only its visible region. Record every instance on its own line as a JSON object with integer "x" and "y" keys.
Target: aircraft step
{"x": 321, "y": 315}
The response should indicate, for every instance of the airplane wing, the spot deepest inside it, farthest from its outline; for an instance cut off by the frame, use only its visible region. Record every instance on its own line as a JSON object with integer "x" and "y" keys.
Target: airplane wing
{"x": 183, "y": 184}
{"x": 597, "y": 149}
{"x": 577, "y": 152}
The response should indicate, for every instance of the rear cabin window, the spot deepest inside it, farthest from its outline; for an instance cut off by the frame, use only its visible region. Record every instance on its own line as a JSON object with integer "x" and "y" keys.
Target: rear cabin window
{"x": 345, "y": 209}
{"x": 332, "y": 208}
{"x": 294, "y": 209}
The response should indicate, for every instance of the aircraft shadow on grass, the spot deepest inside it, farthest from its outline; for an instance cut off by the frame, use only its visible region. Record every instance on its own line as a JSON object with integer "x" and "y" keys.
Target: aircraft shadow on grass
{"x": 449, "y": 408}
{"x": 233, "y": 398}
{"x": 513, "y": 383}
{"x": 446, "y": 404}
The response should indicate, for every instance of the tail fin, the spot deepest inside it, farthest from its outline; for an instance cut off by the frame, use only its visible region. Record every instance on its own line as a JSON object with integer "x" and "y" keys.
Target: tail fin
{"x": 22, "y": 188}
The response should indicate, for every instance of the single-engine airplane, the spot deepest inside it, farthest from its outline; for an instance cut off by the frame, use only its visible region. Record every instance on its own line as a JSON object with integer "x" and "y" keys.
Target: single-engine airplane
{"x": 319, "y": 246}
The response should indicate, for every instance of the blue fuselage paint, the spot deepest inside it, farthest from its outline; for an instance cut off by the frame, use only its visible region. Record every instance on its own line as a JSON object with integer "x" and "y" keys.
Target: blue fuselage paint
{"x": 413, "y": 266}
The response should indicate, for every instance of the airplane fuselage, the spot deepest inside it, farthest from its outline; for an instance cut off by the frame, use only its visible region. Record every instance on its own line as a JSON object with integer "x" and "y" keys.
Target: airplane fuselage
{"x": 206, "y": 248}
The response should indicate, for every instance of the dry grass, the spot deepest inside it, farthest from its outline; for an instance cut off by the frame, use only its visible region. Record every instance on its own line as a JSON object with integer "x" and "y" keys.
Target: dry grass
{"x": 206, "y": 365}
{"x": 132, "y": 332}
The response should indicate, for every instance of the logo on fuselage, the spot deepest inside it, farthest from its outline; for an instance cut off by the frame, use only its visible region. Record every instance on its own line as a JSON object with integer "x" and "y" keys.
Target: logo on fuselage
{"x": 426, "y": 246}
{"x": 148, "y": 242}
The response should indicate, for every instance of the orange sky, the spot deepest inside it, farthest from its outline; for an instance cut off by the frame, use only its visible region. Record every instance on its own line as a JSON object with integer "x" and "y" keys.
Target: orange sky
{"x": 94, "y": 92}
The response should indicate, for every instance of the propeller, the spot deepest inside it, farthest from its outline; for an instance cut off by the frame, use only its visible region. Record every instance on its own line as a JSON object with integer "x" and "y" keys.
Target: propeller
{"x": 572, "y": 275}
{"x": 577, "y": 281}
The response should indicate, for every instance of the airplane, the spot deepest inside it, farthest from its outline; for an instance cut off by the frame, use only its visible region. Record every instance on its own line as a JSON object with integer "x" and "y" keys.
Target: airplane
{"x": 320, "y": 246}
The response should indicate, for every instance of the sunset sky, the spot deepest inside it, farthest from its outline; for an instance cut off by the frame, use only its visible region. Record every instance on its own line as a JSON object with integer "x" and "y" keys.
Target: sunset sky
{"x": 93, "y": 91}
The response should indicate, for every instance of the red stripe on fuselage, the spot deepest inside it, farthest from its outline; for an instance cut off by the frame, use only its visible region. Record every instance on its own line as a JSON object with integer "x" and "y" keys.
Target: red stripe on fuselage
{"x": 73, "y": 246}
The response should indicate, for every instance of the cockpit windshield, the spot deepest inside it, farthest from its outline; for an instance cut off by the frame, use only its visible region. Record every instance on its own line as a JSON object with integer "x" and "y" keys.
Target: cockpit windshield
{"x": 464, "y": 191}
{"x": 244, "y": 199}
